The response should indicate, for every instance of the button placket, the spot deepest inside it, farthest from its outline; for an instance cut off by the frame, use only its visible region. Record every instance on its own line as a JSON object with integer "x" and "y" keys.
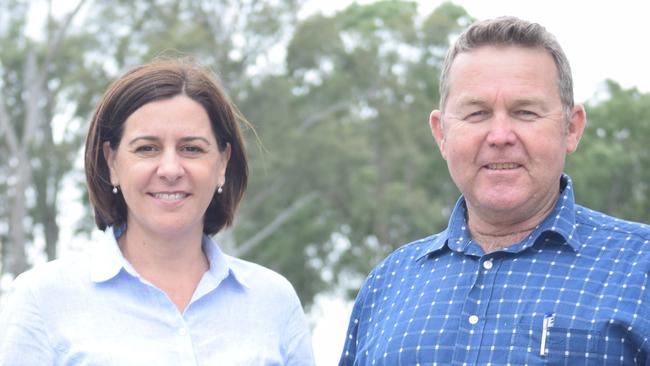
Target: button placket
{"x": 488, "y": 264}
{"x": 481, "y": 294}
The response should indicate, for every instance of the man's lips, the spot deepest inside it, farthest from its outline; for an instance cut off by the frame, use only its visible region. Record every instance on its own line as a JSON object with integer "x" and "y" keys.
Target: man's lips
{"x": 502, "y": 166}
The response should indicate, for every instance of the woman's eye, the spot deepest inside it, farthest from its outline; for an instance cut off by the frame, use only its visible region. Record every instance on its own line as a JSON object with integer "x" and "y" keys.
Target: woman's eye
{"x": 145, "y": 149}
{"x": 192, "y": 149}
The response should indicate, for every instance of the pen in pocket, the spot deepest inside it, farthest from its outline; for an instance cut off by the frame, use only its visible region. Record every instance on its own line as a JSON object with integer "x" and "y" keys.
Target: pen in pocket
{"x": 549, "y": 318}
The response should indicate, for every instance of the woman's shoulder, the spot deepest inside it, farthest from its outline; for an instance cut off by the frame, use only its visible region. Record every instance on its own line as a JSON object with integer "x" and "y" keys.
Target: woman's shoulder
{"x": 53, "y": 276}
{"x": 260, "y": 278}
{"x": 70, "y": 272}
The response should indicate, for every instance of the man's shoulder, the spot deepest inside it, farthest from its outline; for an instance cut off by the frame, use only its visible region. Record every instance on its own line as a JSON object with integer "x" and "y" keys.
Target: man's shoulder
{"x": 600, "y": 223}
{"x": 399, "y": 268}
{"x": 410, "y": 252}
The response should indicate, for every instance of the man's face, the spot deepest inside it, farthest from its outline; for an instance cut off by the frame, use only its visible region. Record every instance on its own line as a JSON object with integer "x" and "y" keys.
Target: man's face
{"x": 504, "y": 134}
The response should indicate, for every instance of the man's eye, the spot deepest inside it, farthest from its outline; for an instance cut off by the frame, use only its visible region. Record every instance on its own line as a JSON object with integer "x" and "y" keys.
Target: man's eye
{"x": 476, "y": 116}
{"x": 526, "y": 114}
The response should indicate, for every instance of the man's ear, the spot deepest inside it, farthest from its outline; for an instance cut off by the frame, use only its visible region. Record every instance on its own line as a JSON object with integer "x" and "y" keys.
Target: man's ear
{"x": 575, "y": 128}
{"x": 109, "y": 156}
{"x": 435, "y": 122}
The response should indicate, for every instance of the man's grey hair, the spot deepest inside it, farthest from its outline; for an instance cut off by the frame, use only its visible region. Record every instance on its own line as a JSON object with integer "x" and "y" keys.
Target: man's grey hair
{"x": 510, "y": 31}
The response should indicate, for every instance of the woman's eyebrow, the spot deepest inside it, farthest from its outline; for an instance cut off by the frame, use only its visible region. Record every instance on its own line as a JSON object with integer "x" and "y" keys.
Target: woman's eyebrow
{"x": 194, "y": 138}
{"x": 183, "y": 139}
{"x": 147, "y": 138}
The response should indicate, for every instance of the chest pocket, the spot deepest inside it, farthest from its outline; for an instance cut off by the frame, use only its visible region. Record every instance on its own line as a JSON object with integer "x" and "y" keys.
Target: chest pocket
{"x": 564, "y": 345}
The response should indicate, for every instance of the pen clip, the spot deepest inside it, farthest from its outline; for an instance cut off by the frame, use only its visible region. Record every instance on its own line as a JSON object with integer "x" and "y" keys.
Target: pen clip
{"x": 549, "y": 319}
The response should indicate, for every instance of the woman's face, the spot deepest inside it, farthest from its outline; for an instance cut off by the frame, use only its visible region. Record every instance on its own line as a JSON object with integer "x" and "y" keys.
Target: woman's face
{"x": 168, "y": 166}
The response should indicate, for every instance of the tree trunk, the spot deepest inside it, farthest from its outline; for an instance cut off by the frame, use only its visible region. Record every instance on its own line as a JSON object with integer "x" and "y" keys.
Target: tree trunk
{"x": 274, "y": 225}
{"x": 17, "y": 262}
{"x": 51, "y": 229}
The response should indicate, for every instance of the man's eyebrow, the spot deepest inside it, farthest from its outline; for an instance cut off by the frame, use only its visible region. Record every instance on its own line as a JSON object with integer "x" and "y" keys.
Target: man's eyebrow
{"x": 520, "y": 102}
{"x": 526, "y": 102}
{"x": 470, "y": 101}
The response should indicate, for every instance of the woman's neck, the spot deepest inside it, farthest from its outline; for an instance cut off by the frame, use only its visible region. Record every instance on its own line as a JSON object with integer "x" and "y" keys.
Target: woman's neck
{"x": 174, "y": 264}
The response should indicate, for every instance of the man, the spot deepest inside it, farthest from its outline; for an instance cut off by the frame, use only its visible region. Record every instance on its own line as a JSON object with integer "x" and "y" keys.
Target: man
{"x": 522, "y": 274}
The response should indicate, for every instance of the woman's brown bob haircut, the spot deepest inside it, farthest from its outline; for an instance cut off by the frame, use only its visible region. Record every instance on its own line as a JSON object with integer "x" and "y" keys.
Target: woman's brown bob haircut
{"x": 148, "y": 83}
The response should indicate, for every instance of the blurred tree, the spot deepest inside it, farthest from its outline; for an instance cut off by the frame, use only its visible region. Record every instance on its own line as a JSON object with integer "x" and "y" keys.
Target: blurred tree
{"x": 610, "y": 167}
{"x": 38, "y": 76}
{"x": 353, "y": 136}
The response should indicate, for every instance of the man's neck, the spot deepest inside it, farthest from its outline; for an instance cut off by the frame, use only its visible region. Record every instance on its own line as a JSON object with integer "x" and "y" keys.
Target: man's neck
{"x": 492, "y": 242}
{"x": 496, "y": 232}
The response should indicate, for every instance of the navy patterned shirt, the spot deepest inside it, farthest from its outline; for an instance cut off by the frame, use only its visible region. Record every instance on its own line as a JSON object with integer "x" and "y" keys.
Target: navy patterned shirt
{"x": 574, "y": 292}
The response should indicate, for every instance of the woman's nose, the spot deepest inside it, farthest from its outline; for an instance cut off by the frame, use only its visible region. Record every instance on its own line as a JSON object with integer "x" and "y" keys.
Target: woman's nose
{"x": 170, "y": 167}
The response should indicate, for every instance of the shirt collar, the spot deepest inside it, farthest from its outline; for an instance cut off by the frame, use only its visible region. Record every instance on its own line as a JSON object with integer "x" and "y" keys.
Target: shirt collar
{"x": 221, "y": 265}
{"x": 437, "y": 243}
{"x": 560, "y": 221}
{"x": 107, "y": 260}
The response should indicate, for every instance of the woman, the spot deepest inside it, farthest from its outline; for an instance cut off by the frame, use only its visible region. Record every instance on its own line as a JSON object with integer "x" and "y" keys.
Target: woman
{"x": 166, "y": 169}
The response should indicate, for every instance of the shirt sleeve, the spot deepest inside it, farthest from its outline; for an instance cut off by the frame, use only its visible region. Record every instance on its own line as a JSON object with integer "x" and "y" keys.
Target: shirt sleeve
{"x": 299, "y": 346}
{"x": 24, "y": 338}
{"x": 349, "y": 355}
{"x": 644, "y": 350}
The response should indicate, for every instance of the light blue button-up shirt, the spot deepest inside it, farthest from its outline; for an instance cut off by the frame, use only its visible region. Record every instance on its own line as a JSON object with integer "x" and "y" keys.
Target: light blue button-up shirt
{"x": 95, "y": 309}
{"x": 574, "y": 292}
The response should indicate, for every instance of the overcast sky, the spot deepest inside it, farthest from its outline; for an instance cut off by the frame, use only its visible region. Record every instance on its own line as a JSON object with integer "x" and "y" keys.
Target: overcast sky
{"x": 602, "y": 39}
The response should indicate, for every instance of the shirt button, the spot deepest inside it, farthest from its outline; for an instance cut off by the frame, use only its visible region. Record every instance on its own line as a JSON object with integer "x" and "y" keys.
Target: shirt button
{"x": 473, "y": 319}
{"x": 487, "y": 264}
{"x": 182, "y": 331}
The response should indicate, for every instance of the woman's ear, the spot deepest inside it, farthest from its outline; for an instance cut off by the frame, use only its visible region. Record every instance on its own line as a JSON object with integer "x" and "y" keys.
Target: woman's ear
{"x": 109, "y": 156}
{"x": 225, "y": 158}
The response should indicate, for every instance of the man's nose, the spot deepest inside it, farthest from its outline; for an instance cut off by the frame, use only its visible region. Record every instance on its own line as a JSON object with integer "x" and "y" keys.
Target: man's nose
{"x": 501, "y": 130}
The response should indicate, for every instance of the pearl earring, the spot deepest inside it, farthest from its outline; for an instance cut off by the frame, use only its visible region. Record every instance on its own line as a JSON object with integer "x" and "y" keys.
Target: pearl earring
{"x": 220, "y": 190}
{"x": 114, "y": 189}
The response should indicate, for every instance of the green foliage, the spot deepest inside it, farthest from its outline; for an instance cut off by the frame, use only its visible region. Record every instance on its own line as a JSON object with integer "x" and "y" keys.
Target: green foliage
{"x": 39, "y": 75}
{"x": 446, "y": 20}
{"x": 610, "y": 168}
{"x": 363, "y": 86}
